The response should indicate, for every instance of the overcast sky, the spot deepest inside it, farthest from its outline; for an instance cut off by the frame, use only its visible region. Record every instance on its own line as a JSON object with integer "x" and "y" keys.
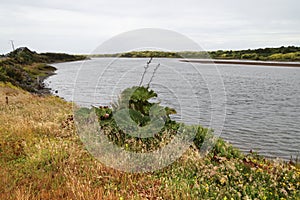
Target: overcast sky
{"x": 81, "y": 26}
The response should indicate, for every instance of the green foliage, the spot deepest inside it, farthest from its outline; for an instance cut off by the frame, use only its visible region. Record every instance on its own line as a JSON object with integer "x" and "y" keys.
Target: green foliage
{"x": 61, "y": 57}
{"x": 235, "y": 178}
{"x": 141, "y": 54}
{"x": 41, "y": 157}
{"x": 135, "y": 101}
{"x": 200, "y": 136}
{"x": 295, "y": 56}
{"x": 25, "y": 68}
{"x": 194, "y": 54}
{"x": 23, "y": 55}
{"x": 290, "y": 53}
{"x": 12, "y": 72}
{"x": 148, "y": 54}
{"x": 222, "y": 149}
{"x": 249, "y": 56}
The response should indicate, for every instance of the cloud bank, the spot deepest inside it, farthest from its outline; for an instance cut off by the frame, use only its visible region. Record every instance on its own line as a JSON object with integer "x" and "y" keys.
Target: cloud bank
{"x": 80, "y": 26}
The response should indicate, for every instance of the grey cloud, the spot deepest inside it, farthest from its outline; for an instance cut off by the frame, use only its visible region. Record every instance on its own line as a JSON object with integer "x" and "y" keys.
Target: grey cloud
{"x": 79, "y": 26}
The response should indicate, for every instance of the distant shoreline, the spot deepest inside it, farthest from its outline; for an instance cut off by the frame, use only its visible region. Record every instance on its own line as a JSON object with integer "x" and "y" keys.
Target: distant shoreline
{"x": 240, "y": 62}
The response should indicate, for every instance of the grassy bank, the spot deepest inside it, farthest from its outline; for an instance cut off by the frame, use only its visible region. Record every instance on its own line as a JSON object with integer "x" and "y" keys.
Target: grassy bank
{"x": 41, "y": 157}
{"x": 288, "y": 54}
{"x": 27, "y": 69}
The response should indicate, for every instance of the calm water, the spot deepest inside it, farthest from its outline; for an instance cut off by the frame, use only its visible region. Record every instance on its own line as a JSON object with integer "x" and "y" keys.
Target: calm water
{"x": 262, "y": 103}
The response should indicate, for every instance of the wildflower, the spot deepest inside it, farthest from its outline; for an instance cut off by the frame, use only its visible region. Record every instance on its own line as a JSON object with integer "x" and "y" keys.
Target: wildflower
{"x": 223, "y": 180}
{"x": 259, "y": 170}
{"x": 206, "y": 189}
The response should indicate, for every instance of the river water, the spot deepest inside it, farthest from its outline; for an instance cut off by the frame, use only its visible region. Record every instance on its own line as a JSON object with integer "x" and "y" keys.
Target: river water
{"x": 260, "y": 105}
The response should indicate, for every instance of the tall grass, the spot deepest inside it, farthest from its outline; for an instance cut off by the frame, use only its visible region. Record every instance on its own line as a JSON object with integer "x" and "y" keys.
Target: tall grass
{"x": 41, "y": 157}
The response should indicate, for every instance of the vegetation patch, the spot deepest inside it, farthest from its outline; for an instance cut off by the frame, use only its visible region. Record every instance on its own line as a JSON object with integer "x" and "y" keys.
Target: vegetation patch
{"x": 290, "y": 53}
{"x": 28, "y": 69}
{"x": 41, "y": 157}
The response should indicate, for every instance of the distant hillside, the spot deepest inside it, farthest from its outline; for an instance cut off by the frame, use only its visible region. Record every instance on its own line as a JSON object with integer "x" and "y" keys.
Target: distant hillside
{"x": 27, "y": 69}
{"x": 290, "y": 53}
{"x": 23, "y": 55}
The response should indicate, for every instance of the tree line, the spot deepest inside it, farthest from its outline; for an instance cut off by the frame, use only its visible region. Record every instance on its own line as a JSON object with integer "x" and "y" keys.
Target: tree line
{"x": 290, "y": 53}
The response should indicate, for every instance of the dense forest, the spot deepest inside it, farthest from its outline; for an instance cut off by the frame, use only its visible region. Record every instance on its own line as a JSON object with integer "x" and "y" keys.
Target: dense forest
{"x": 290, "y": 53}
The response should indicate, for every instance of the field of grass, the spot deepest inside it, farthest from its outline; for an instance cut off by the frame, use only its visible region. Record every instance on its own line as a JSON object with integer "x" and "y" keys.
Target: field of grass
{"x": 41, "y": 157}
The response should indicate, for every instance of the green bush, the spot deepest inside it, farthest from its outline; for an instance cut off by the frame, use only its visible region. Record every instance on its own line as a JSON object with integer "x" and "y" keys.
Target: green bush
{"x": 135, "y": 100}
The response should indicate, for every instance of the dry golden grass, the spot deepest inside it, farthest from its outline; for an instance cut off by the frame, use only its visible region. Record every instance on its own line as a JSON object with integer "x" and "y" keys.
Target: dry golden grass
{"x": 41, "y": 157}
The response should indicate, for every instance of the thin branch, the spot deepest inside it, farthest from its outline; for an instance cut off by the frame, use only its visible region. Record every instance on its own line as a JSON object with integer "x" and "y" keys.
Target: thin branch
{"x": 145, "y": 70}
{"x": 154, "y": 71}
